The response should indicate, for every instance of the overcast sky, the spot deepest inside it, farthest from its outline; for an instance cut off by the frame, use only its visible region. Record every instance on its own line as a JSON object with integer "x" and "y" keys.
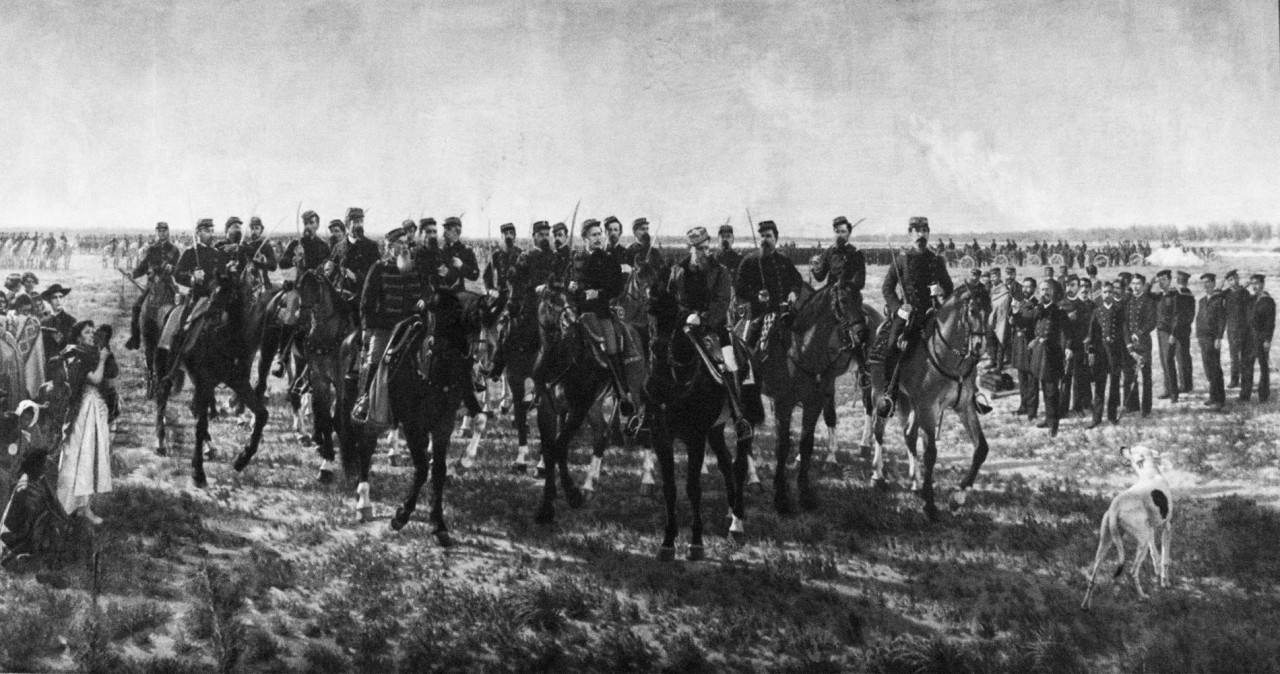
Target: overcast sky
{"x": 979, "y": 114}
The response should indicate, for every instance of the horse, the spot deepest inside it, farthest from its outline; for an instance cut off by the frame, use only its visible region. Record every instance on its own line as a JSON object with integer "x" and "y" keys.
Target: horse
{"x": 690, "y": 403}
{"x": 325, "y": 321}
{"x": 801, "y": 368}
{"x": 939, "y": 374}
{"x": 161, "y": 299}
{"x": 573, "y": 382}
{"x": 218, "y": 349}
{"x": 428, "y": 370}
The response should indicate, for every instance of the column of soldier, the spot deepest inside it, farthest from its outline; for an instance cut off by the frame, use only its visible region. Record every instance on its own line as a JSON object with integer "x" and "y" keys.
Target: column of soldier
{"x": 1084, "y": 345}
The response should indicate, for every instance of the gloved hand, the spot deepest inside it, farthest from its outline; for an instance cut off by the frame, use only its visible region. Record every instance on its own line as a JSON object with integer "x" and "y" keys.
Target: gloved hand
{"x": 693, "y": 320}
{"x": 904, "y": 312}
{"x": 592, "y": 294}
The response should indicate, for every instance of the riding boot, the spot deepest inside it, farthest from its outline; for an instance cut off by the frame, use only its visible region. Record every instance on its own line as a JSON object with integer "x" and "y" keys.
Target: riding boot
{"x": 135, "y": 339}
{"x": 620, "y": 381}
{"x": 286, "y": 345}
{"x": 360, "y": 411}
{"x": 884, "y": 406}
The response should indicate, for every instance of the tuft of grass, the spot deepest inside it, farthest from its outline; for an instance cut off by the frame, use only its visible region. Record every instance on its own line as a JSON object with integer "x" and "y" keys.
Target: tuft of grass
{"x": 33, "y": 620}
{"x": 322, "y": 658}
{"x": 124, "y": 621}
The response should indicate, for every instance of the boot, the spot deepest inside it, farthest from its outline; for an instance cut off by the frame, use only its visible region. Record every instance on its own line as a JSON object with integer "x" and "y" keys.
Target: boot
{"x": 134, "y": 340}
{"x": 620, "y": 382}
{"x": 286, "y": 345}
{"x": 360, "y": 411}
{"x": 884, "y": 406}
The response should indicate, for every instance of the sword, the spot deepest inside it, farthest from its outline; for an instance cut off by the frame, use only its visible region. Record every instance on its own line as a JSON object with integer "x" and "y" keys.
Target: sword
{"x": 131, "y": 279}
{"x": 760, "y": 265}
{"x": 573, "y": 224}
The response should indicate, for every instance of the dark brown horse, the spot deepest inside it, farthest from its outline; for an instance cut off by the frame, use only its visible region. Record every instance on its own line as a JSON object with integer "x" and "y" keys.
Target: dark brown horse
{"x": 325, "y": 322}
{"x": 218, "y": 349}
{"x": 940, "y": 374}
{"x": 801, "y": 369}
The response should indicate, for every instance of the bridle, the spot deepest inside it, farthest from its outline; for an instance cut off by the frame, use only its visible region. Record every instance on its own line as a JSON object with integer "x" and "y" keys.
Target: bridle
{"x": 974, "y": 339}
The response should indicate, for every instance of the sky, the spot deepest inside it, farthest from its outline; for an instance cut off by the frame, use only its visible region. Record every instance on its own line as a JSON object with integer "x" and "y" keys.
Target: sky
{"x": 979, "y": 114}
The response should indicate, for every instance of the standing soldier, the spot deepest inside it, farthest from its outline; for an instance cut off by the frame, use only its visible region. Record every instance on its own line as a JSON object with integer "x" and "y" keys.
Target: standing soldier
{"x": 913, "y": 281}
{"x": 1262, "y": 324}
{"x": 497, "y": 275}
{"x": 461, "y": 261}
{"x": 1074, "y": 330}
{"x": 770, "y": 282}
{"x": 1105, "y": 345}
{"x": 1237, "y": 301}
{"x": 1049, "y": 353}
{"x": 352, "y": 258}
{"x": 1022, "y": 323}
{"x": 1140, "y": 320}
{"x": 1182, "y": 325}
{"x": 1166, "y": 317}
{"x": 846, "y": 267}
{"x": 157, "y": 264}
{"x": 725, "y": 254}
{"x": 1211, "y": 323}
{"x": 594, "y": 287}
{"x": 642, "y": 252}
{"x": 393, "y": 291}
{"x": 998, "y": 323}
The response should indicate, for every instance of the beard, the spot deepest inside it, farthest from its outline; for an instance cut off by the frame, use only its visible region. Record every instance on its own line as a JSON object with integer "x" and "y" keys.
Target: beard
{"x": 404, "y": 262}
{"x": 233, "y": 237}
{"x": 544, "y": 245}
{"x": 509, "y": 241}
{"x": 922, "y": 242}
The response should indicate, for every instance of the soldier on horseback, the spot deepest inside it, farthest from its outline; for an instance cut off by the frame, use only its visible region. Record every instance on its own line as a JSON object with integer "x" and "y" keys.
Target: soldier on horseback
{"x": 352, "y": 258}
{"x": 305, "y": 254}
{"x": 770, "y": 282}
{"x": 614, "y": 247}
{"x": 501, "y": 261}
{"x": 919, "y": 275}
{"x": 197, "y": 269}
{"x": 530, "y": 273}
{"x": 562, "y": 252}
{"x": 257, "y": 254}
{"x": 157, "y": 264}
{"x": 394, "y": 291}
{"x": 846, "y": 267}
{"x": 641, "y": 252}
{"x": 595, "y": 282}
{"x": 702, "y": 289}
{"x": 728, "y": 258}
{"x": 459, "y": 259}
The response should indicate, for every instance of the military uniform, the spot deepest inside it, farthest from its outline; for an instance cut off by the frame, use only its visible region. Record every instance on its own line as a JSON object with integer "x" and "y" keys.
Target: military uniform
{"x": 249, "y": 253}
{"x": 1105, "y": 345}
{"x": 912, "y": 274}
{"x": 354, "y": 259}
{"x": 157, "y": 264}
{"x": 846, "y": 267}
{"x": 1140, "y": 320}
{"x": 773, "y": 273}
{"x": 1237, "y": 303}
{"x": 646, "y": 254}
{"x": 1022, "y": 323}
{"x": 1262, "y": 324}
{"x": 389, "y": 296}
{"x": 1074, "y": 391}
{"x": 1166, "y": 317}
{"x": 456, "y": 278}
{"x": 1210, "y": 325}
{"x": 307, "y": 253}
{"x": 730, "y": 259}
{"x": 199, "y": 257}
{"x": 497, "y": 276}
{"x": 533, "y": 268}
{"x": 1182, "y": 326}
{"x": 1048, "y": 360}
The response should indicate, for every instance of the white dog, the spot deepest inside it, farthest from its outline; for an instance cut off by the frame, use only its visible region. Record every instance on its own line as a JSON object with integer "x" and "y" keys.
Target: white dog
{"x": 1143, "y": 511}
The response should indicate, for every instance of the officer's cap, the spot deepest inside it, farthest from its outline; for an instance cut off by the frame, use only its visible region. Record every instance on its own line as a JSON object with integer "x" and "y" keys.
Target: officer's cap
{"x": 1049, "y": 270}
{"x": 1012, "y": 271}
{"x": 397, "y": 235}
{"x": 1183, "y": 276}
{"x": 1258, "y": 278}
{"x": 233, "y": 220}
{"x": 1234, "y": 273}
{"x": 726, "y": 229}
{"x": 840, "y": 220}
{"x": 355, "y": 214}
{"x": 918, "y": 223}
{"x": 1138, "y": 277}
{"x": 1209, "y": 276}
{"x": 1164, "y": 273}
{"x": 611, "y": 220}
{"x": 453, "y": 222}
{"x": 406, "y": 225}
{"x": 308, "y": 216}
{"x": 204, "y": 223}
{"x": 507, "y": 227}
{"x": 541, "y": 226}
{"x": 559, "y": 227}
{"x": 697, "y": 235}
{"x": 162, "y": 225}
{"x": 255, "y": 221}
{"x": 339, "y": 224}
{"x": 638, "y": 223}
{"x": 767, "y": 226}
{"x": 589, "y": 224}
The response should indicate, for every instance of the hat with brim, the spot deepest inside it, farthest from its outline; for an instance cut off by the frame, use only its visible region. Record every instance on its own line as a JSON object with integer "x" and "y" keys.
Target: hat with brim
{"x": 308, "y": 216}
{"x": 1209, "y": 276}
{"x": 355, "y": 214}
{"x": 162, "y": 225}
{"x": 541, "y": 226}
{"x": 840, "y": 220}
{"x": 339, "y": 224}
{"x": 204, "y": 223}
{"x": 638, "y": 223}
{"x": 559, "y": 227}
{"x": 397, "y": 235}
{"x": 698, "y": 236}
{"x": 1258, "y": 278}
{"x": 1233, "y": 274}
{"x": 1164, "y": 273}
{"x": 233, "y": 220}
{"x": 726, "y": 229}
{"x": 54, "y": 290}
{"x": 588, "y": 225}
{"x": 612, "y": 219}
{"x": 767, "y": 226}
{"x": 1183, "y": 276}
{"x": 426, "y": 222}
{"x": 918, "y": 223}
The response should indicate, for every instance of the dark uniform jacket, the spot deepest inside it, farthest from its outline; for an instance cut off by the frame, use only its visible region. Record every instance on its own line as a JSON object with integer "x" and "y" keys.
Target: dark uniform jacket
{"x": 457, "y": 277}
{"x": 305, "y": 254}
{"x": 618, "y": 252}
{"x": 391, "y": 295}
{"x": 1237, "y": 301}
{"x": 501, "y": 262}
{"x": 158, "y": 254}
{"x": 598, "y": 271}
{"x": 915, "y": 270}
{"x": 357, "y": 257}
{"x": 1107, "y": 338}
{"x": 562, "y": 262}
{"x": 730, "y": 259}
{"x": 639, "y": 253}
{"x": 842, "y": 263}
{"x": 773, "y": 272}
{"x": 1076, "y": 328}
{"x": 56, "y": 331}
{"x": 1023, "y": 322}
{"x": 1262, "y": 318}
{"x": 705, "y": 292}
{"x": 206, "y": 258}
{"x": 248, "y": 252}
{"x": 1186, "y": 315}
{"x": 1048, "y": 347}
{"x": 1211, "y": 316}
{"x": 1166, "y": 310}
{"x": 533, "y": 268}
{"x": 1140, "y": 319}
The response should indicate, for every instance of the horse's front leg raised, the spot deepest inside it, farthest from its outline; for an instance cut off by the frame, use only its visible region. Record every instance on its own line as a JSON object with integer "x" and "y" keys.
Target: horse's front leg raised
{"x": 973, "y": 426}
{"x": 254, "y": 404}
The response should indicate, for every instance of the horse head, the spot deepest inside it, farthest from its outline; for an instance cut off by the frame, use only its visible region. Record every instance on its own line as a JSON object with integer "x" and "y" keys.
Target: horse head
{"x": 555, "y": 312}
{"x": 494, "y": 324}
{"x": 967, "y": 311}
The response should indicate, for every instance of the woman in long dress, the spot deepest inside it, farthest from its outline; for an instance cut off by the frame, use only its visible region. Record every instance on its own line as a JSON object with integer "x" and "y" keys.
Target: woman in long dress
{"x": 85, "y": 466}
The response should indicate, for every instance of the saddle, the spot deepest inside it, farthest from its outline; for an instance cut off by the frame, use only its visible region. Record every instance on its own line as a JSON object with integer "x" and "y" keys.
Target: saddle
{"x": 628, "y": 342}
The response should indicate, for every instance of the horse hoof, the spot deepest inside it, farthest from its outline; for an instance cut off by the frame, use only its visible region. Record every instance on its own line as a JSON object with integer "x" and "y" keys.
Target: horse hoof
{"x": 242, "y": 461}
{"x": 519, "y": 469}
{"x": 306, "y": 441}
{"x": 574, "y": 498}
{"x": 444, "y": 539}
{"x": 199, "y": 480}
{"x": 325, "y": 477}
{"x": 546, "y": 514}
{"x": 365, "y": 514}
{"x": 697, "y": 553}
{"x": 400, "y": 519}
{"x": 161, "y": 450}
{"x": 667, "y": 554}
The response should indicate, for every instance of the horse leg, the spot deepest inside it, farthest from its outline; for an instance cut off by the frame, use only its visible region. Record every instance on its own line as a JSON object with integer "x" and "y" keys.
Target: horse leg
{"x": 477, "y": 433}
{"x": 548, "y": 432}
{"x": 163, "y": 387}
{"x": 696, "y": 442}
{"x": 201, "y": 393}
{"x": 782, "y": 410}
{"x": 439, "y": 477}
{"x": 603, "y": 430}
{"x": 929, "y": 426}
{"x": 320, "y": 406}
{"x": 254, "y": 404}
{"x": 728, "y": 469}
{"x": 910, "y": 432}
{"x": 664, "y": 449}
{"x": 829, "y": 418}
{"x": 418, "y": 441}
{"x": 573, "y": 422}
{"x": 877, "y": 426}
{"x": 753, "y": 478}
{"x": 808, "y": 424}
{"x": 973, "y": 426}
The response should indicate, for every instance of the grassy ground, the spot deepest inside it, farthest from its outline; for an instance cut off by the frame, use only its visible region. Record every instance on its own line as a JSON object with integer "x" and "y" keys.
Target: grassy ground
{"x": 269, "y": 571}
